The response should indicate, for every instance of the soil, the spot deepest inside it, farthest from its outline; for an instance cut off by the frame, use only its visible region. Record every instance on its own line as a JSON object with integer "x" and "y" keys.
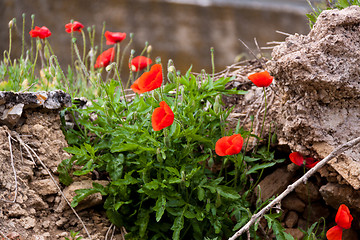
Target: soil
{"x": 35, "y": 213}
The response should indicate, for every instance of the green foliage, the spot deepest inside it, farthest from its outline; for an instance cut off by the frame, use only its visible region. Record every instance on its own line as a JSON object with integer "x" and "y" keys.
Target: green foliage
{"x": 313, "y": 233}
{"x": 166, "y": 184}
{"x": 276, "y": 226}
{"x": 73, "y": 236}
{"x": 162, "y": 186}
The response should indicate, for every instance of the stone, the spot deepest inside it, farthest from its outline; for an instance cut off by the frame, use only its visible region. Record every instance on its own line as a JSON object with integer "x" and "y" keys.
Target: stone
{"x": 275, "y": 183}
{"x": 335, "y": 194}
{"x": 308, "y": 192}
{"x": 318, "y": 91}
{"x": 28, "y": 222}
{"x": 11, "y": 116}
{"x": 291, "y": 219}
{"x": 44, "y": 186}
{"x": 292, "y": 202}
{"x": 314, "y": 211}
{"x": 295, "y": 232}
{"x": 90, "y": 201}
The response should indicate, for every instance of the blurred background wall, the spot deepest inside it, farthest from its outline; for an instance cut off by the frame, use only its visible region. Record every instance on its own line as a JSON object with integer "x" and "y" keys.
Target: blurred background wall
{"x": 183, "y": 30}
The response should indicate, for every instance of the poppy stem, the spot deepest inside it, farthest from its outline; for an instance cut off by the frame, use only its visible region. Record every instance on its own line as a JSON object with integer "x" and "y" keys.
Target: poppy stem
{"x": 118, "y": 61}
{"x": 236, "y": 170}
{"x": 263, "y": 123}
{"x": 23, "y": 36}
{"x": 122, "y": 87}
{"x": 212, "y": 62}
{"x": 84, "y": 43}
{"x": 31, "y": 40}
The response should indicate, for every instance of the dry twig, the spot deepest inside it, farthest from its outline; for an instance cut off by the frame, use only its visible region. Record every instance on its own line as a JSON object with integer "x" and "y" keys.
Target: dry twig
{"x": 339, "y": 150}
{"x": 14, "y": 170}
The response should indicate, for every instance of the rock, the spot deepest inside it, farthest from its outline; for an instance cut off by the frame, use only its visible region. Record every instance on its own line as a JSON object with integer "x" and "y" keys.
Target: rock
{"x": 314, "y": 211}
{"x": 291, "y": 219}
{"x": 308, "y": 192}
{"x": 275, "y": 183}
{"x": 296, "y": 233}
{"x": 350, "y": 234}
{"x": 90, "y": 201}
{"x": 317, "y": 83}
{"x": 12, "y": 104}
{"x": 335, "y": 194}
{"x": 292, "y": 202}
{"x": 29, "y": 222}
{"x": 11, "y": 116}
{"x": 45, "y": 186}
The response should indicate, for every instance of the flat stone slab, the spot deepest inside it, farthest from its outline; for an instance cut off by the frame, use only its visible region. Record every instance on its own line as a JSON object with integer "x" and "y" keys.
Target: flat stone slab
{"x": 12, "y": 104}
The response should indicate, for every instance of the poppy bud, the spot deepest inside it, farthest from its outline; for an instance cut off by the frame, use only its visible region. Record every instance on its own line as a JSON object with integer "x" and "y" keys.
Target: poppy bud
{"x": 217, "y": 105}
{"x": 11, "y": 23}
{"x": 149, "y": 49}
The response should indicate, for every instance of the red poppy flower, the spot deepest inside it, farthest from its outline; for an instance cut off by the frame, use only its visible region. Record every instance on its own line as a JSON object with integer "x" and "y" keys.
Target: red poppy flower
{"x": 139, "y": 63}
{"x": 334, "y": 233}
{"x": 162, "y": 117}
{"x": 149, "y": 80}
{"x": 343, "y": 220}
{"x": 114, "y": 37}
{"x": 73, "y": 27}
{"x": 299, "y": 160}
{"x": 296, "y": 158}
{"x": 105, "y": 58}
{"x": 261, "y": 79}
{"x": 343, "y": 217}
{"x": 310, "y": 162}
{"x": 42, "y": 32}
{"x": 229, "y": 145}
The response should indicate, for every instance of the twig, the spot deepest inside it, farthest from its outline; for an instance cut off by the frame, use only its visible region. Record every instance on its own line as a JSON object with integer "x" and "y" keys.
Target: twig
{"x": 256, "y": 57}
{"x": 5, "y": 237}
{"x": 14, "y": 170}
{"x": 283, "y": 33}
{"x": 339, "y": 150}
{"x": 108, "y": 231}
{"x": 29, "y": 149}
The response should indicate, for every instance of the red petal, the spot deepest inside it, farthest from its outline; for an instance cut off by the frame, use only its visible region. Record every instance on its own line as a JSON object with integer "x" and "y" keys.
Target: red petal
{"x": 296, "y": 158}
{"x": 343, "y": 217}
{"x": 221, "y": 146}
{"x": 261, "y": 79}
{"x": 334, "y": 233}
{"x": 162, "y": 117}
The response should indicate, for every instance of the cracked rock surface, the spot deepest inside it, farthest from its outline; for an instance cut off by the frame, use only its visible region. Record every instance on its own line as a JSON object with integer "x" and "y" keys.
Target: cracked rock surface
{"x": 318, "y": 83}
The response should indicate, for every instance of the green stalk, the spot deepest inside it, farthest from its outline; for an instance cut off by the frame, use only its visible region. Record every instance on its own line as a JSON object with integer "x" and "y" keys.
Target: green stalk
{"x": 131, "y": 56}
{"x": 36, "y": 56}
{"x": 122, "y": 87}
{"x": 10, "y": 37}
{"x": 212, "y": 62}
{"x": 141, "y": 54}
{"x": 84, "y": 43}
{"x": 31, "y": 39}
{"x": 23, "y": 36}
{"x": 102, "y": 37}
{"x": 263, "y": 123}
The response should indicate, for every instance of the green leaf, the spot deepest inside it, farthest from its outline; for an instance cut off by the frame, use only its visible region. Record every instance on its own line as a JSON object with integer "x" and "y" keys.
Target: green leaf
{"x": 124, "y": 147}
{"x": 88, "y": 167}
{"x": 160, "y": 207}
{"x": 177, "y": 226}
{"x": 201, "y": 193}
{"x": 142, "y": 221}
{"x": 228, "y": 192}
{"x": 75, "y": 150}
{"x": 81, "y": 194}
{"x": 259, "y": 167}
{"x": 115, "y": 167}
{"x": 64, "y": 169}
